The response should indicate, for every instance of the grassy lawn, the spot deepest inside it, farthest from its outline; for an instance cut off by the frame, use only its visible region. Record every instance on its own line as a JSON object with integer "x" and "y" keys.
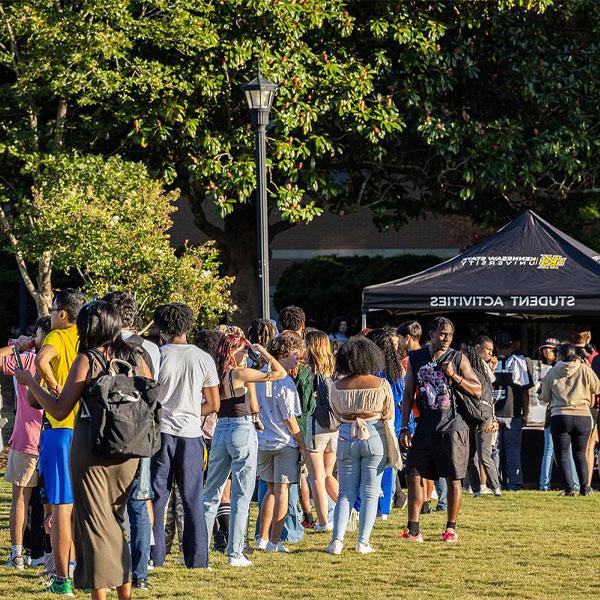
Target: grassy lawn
{"x": 524, "y": 545}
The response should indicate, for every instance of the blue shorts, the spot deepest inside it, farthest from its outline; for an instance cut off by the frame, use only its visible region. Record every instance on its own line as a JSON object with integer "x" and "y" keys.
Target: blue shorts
{"x": 55, "y": 447}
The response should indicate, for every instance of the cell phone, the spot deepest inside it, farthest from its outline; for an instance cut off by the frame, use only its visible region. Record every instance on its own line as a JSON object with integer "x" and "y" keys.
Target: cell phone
{"x": 255, "y": 356}
{"x": 17, "y": 357}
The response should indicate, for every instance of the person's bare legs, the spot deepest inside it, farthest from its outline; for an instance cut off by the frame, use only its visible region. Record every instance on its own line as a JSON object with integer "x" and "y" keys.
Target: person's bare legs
{"x": 416, "y": 495}
{"x": 18, "y": 513}
{"x": 123, "y": 592}
{"x": 280, "y": 510}
{"x": 331, "y": 483}
{"x": 305, "y": 494}
{"x": 61, "y": 537}
{"x": 99, "y": 594}
{"x": 590, "y": 454}
{"x": 428, "y": 486}
{"x": 316, "y": 470}
{"x": 266, "y": 512}
{"x": 226, "y": 497}
{"x": 454, "y": 498}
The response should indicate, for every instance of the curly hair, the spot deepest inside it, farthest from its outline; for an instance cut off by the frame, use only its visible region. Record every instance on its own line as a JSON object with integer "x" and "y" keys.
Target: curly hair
{"x": 42, "y": 323}
{"x": 125, "y": 305}
{"x": 174, "y": 319}
{"x": 359, "y": 356}
{"x": 286, "y": 343}
{"x": 383, "y": 339}
{"x": 208, "y": 340}
{"x": 261, "y": 331}
{"x": 292, "y": 318}
{"x": 318, "y": 353}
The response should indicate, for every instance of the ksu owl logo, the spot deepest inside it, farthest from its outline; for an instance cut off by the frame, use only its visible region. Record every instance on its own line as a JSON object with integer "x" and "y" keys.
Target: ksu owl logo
{"x": 551, "y": 261}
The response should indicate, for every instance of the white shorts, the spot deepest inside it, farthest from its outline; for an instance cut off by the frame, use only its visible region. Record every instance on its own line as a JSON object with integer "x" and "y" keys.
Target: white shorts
{"x": 319, "y": 439}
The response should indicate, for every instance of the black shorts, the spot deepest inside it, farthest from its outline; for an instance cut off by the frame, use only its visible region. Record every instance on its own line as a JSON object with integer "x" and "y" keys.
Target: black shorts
{"x": 435, "y": 455}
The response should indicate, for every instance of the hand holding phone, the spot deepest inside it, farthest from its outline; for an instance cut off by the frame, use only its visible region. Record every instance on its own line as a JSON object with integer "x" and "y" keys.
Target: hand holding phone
{"x": 17, "y": 356}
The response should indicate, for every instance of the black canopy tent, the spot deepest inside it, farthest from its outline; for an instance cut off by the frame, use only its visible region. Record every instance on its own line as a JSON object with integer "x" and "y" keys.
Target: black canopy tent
{"x": 528, "y": 268}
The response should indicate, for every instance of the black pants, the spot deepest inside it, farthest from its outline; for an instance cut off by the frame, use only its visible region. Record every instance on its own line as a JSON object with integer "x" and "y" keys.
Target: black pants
{"x": 572, "y": 431}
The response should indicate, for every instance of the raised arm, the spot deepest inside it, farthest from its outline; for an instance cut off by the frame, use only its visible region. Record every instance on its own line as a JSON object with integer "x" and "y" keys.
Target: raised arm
{"x": 243, "y": 375}
{"x": 60, "y": 407}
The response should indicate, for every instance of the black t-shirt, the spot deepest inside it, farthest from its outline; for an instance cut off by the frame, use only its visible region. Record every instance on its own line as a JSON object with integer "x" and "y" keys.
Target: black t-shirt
{"x": 508, "y": 396}
{"x": 436, "y": 399}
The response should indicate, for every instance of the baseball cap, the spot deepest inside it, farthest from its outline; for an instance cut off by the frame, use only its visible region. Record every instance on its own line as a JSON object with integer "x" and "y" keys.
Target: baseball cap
{"x": 550, "y": 343}
{"x": 503, "y": 339}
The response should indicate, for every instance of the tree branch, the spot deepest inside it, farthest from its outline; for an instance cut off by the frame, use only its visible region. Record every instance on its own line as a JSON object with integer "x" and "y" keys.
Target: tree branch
{"x": 279, "y": 227}
{"x": 59, "y": 125}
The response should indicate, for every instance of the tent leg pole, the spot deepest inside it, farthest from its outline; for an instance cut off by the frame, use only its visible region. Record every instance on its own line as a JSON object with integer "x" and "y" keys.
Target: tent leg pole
{"x": 363, "y": 324}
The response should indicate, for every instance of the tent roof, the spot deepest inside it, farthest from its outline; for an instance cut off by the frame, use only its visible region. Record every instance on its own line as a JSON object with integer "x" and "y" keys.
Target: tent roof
{"x": 528, "y": 267}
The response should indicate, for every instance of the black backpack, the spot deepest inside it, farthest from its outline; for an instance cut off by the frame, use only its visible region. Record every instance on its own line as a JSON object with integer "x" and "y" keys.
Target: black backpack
{"x": 136, "y": 343}
{"x": 323, "y": 413}
{"x": 122, "y": 409}
{"x": 477, "y": 412}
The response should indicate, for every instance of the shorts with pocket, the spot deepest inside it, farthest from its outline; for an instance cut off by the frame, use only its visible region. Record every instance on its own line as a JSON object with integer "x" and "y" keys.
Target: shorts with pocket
{"x": 55, "y": 448}
{"x": 21, "y": 469}
{"x": 439, "y": 454}
{"x": 279, "y": 466}
{"x": 319, "y": 439}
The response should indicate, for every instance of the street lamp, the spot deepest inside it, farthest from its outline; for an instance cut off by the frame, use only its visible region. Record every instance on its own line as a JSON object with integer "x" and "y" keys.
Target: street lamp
{"x": 259, "y": 94}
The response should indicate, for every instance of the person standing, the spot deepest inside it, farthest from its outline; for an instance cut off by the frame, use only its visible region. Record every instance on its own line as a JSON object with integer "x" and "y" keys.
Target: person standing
{"x": 322, "y": 429}
{"x": 569, "y": 389}
{"x": 339, "y": 331}
{"x": 234, "y": 445}
{"x": 281, "y": 445}
{"x": 100, "y": 484}
{"x": 363, "y": 403}
{"x": 52, "y": 363}
{"x": 440, "y": 445}
{"x": 511, "y": 405}
{"x": 139, "y": 504}
{"x": 186, "y": 374}
{"x": 21, "y": 469}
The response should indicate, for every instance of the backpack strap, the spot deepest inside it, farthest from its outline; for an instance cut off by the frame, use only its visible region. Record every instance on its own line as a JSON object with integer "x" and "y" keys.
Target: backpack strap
{"x": 230, "y": 377}
{"x": 94, "y": 355}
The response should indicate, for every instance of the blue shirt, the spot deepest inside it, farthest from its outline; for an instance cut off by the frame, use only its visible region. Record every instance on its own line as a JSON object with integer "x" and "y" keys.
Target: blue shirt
{"x": 398, "y": 391}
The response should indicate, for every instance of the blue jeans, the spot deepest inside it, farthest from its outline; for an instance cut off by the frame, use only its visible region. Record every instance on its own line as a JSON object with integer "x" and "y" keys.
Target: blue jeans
{"x": 180, "y": 459}
{"x": 233, "y": 450}
{"x": 293, "y": 532}
{"x": 510, "y": 438}
{"x": 441, "y": 487}
{"x": 139, "y": 524}
{"x": 547, "y": 459}
{"x": 360, "y": 469}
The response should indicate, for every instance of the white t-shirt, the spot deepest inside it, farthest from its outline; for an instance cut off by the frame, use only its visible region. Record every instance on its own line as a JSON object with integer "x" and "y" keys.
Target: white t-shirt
{"x": 150, "y": 347}
{"x": 184, "y": 371}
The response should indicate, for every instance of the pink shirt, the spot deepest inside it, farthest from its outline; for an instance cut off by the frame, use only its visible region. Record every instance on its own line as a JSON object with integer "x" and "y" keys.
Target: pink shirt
{"x": 28, "y": 422}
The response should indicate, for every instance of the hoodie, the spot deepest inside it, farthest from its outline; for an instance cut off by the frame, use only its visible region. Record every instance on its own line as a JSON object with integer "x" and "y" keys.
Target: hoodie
{"x": 570, "y": 388}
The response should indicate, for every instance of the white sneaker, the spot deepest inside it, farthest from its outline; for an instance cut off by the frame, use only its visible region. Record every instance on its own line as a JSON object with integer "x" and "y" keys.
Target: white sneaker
{"x": 335, "y": 547}
{"x": 278, "y": 547}
{"x": 364, "y": 548}
{"x": 150, "y": 565}
{"x": 261, "y": 544}
{"x": 239, "y": 561}
{"x": 485, "y": 491}
{"x": 16, "y": 562}
{"x": 327, "y": 527}
{"x": 382, "y": 517}
{"x": 498, "y": 492}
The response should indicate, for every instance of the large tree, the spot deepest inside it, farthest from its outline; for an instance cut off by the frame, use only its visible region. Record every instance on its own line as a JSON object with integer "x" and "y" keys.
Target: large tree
{"x": 477, "y": 108}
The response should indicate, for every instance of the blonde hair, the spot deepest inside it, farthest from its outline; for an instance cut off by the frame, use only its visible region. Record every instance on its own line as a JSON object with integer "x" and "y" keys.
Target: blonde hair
{"x": 318, "y": 353}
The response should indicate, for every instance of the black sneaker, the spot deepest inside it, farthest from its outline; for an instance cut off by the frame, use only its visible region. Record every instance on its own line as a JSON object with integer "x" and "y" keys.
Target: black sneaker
{"x": 400, "y": 499}
{"x": 141, "y": 584}
{"x": 439, "y": 508}
{"x": 426, "y": 508}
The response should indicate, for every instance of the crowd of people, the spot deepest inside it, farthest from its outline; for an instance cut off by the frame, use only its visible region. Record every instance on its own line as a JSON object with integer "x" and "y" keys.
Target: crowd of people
{"x": 323, "y": 429}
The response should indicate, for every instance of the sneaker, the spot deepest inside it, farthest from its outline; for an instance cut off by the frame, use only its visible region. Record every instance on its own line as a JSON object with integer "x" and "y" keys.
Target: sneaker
{"x": 261, "y": 544}
{"x": 63, "y": 588}
{"x": 485, "y": 491}
{"x": 570, "y": 494}
{"x": 476, "y": 494}
{"x": 335, "y": 547}
{"x": 141, "y": 584}
{"x": 498, "y": 492}
{"x": 16, "y": 562}
{"x": 150, "y": 565}
{"x": 409, "y": 537}
{"x": 307, "y": 524}
{"x": 450, "y": 536}
{"x": 278, "y": 547}
{"x": 400, "y": 500}
{"x": 239, "y": 561}
{"x": 426, "y": 508}
{"x": 364, "y": 548}
{"x": 382, "y": 517}
{"x": 327, "y": 527}
{"x": 440, "y": 508}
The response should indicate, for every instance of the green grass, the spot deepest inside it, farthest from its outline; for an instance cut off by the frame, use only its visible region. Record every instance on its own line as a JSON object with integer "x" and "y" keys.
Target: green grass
{"x": 524, "y": 545}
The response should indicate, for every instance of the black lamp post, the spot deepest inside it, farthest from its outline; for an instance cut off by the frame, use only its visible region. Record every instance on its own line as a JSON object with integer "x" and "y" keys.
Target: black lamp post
{"x": 259, "y": 94}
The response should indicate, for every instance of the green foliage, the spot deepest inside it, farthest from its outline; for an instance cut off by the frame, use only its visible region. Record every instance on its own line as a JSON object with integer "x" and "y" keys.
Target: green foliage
{"x": 330, "y": 287}
{"x": 108, "y": 220}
